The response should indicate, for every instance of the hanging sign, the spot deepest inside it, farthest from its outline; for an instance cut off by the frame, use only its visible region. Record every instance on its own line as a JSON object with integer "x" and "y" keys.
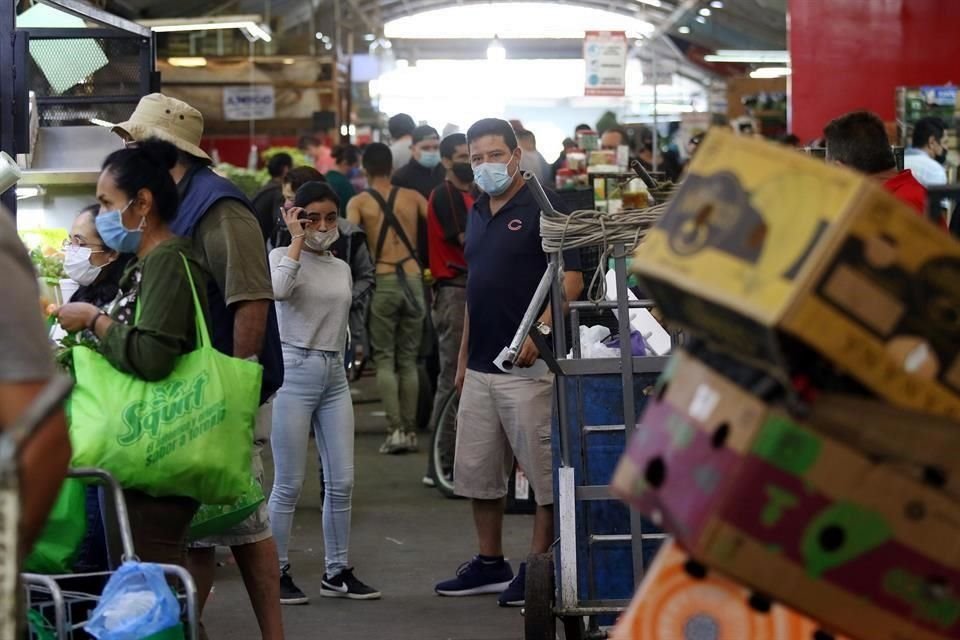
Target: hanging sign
{"x": 249, "y": 102}
{"x": 605, "y": 60}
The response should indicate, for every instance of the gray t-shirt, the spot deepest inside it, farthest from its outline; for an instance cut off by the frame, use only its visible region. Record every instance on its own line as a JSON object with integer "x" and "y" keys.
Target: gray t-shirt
{"x": 313, "y": 299}
{"x": 25, "y": 351}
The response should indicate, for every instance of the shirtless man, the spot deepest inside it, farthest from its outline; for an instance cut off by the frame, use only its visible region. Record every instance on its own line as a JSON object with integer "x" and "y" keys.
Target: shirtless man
{"x": 398, "y": 308}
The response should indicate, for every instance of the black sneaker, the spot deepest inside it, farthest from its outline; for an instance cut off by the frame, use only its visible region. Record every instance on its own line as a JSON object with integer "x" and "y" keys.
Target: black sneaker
{"x": 290, "y": 593}
{"x": 346, "y": 585}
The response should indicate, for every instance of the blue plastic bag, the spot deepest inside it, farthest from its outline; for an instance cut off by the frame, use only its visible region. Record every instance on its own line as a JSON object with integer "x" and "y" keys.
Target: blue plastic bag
{"x": 136, "y": 603}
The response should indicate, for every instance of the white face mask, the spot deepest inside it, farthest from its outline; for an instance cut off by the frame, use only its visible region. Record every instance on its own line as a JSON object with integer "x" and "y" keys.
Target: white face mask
{"x": 76, "y": 263}
{"x": 321, "y": 240}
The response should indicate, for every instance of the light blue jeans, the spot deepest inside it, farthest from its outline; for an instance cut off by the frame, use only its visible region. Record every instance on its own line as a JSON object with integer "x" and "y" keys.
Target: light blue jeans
{"x": 315, "y": 394}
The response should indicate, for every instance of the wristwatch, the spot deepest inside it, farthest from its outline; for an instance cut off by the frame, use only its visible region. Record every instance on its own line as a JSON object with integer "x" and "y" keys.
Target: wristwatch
{"x": 543, "y": 328}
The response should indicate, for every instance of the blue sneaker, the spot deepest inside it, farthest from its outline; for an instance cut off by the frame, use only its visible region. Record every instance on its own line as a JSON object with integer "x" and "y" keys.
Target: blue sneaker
{"x": 477, "y": 577}
{"x": 515, "y": 594}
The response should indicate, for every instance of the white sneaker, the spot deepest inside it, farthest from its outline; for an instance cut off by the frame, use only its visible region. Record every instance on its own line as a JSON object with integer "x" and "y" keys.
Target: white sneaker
{"x": 395, "y": 443}
{"x": 411, "y": 442}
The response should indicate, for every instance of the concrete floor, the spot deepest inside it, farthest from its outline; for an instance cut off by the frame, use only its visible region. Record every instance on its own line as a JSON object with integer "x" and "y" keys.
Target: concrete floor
{"x": 406, "y": 538}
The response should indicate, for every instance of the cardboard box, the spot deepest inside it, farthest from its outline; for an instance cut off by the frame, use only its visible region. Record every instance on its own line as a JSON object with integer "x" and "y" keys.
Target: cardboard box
{"x": 762, "y": 242}
{"x": 925, "y": 447}
{"x": 792, "y": 513}
{"x": 679, "y": 601}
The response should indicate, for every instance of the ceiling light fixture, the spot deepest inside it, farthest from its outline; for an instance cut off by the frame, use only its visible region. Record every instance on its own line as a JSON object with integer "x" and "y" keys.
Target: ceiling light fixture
{"x": 717, "y": 4}
{"x": 188, "y": 62}
{"x": 288, "y": 61}
{"x": 748, "y": 56}
{"x": 770, "y": 72}
{"x": 652, "y": 3}
{"x": 496, "y": 52}
{"x": 701, "y": 20}
{"x": 256, "y": 30}
{"x": 369, "y": 37}
{"x": 705, "y": 12}
{"x": 684, "y": 29}
{"x": 319, "y": 35}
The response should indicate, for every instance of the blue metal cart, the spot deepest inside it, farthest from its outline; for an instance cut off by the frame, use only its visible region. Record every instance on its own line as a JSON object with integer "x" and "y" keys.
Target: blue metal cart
{"x": 602, "y": 547}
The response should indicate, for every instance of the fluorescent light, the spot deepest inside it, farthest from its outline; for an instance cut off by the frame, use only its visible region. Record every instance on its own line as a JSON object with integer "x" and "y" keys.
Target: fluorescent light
{"x": 495, "y": 51}
{"x": 188, "y": 61}
{"x": 684, "y": 29}
{"x": 101, "y": 123}
{"x": 750, "y": 57}
{"x": 29, "y": 192}
{"x": 701, "y": 20}
{"x": 251, "y": 27}
{"x": 652, "y": 3}
{"x": 705, "y": 12}
{"x": 369, "y": 37}
{"x": 717, "y": 4}
{"x": 770, "y": 72}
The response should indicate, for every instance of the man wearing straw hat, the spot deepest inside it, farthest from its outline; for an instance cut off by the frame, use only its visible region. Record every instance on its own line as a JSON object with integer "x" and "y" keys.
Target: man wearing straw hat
{"x": 226, "y": 235}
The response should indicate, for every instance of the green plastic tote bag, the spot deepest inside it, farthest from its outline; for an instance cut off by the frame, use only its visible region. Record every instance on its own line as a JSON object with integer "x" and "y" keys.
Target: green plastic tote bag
{"x": 189, "y": 435}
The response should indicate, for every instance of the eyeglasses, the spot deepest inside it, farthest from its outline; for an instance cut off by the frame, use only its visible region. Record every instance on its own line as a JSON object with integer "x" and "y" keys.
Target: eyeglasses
{"x": 72, "y": 242}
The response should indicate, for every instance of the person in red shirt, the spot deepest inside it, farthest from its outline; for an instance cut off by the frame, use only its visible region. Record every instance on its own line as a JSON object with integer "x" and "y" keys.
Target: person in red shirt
{"x": 859, "y": 140}
{"x": 446, "y": 229}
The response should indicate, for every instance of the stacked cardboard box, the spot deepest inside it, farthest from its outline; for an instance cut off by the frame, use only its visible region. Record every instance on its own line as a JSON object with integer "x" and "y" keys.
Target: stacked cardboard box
{"x": 843, "y": 508}
{"x": 681, "y": 599}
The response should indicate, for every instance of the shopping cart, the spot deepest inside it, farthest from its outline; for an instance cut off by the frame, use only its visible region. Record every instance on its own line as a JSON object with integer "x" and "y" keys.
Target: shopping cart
{"x": 602, "y": 547}
{"x": 60, "y": 605}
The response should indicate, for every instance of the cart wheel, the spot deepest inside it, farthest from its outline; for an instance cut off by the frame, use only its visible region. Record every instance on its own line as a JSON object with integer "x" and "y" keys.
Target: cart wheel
{"x": 573, "y": 628}
{"x": 538, "y": 620}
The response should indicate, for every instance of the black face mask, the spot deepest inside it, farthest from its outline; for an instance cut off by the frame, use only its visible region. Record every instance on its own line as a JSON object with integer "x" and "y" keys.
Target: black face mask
{"x": 463, "y": 171}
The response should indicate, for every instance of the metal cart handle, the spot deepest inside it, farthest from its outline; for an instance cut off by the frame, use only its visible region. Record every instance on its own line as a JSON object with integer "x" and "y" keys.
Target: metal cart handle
{"x": 120, "y": 504}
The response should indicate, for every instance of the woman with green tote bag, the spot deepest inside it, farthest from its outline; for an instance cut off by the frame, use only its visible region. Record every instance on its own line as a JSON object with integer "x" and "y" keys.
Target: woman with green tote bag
{"x": 152, "y": 322}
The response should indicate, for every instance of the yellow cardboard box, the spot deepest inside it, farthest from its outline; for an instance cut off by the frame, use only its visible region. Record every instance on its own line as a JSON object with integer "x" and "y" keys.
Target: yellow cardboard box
{"x": 763, "y": 245}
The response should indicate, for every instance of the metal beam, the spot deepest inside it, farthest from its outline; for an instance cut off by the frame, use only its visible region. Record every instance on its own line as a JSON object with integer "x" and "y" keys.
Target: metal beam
{"x": 363, "y": 17}
{"x": 88, "y": 11}
{"x": 675, "y": 16}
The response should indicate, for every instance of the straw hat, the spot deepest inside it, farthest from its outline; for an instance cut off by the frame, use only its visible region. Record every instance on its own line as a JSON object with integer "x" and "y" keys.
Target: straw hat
{"x": 159, "y": 116}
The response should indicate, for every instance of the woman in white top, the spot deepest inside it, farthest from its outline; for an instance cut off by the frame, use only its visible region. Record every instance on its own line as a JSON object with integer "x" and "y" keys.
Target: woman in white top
{"x": 313, "y": 290}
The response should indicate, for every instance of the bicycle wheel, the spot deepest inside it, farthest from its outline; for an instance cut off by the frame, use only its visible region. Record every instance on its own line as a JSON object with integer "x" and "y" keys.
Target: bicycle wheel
{"x": 443, "y": 445}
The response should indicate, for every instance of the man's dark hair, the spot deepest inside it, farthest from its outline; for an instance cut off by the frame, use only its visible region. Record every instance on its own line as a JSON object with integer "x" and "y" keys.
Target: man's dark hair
{"x": 624, "y": 136}
{"x": 300, "y": 176}
{"x": 315, "y": 191}
{"x": 448, "y": 146}
{"x": 377, "y": 160}
{"x": 346, "y": 153}
{"x": 278, "y": 163}
{"x": 401, "y": 125}
{"x": 926, "y": 127}
{"x": 493, "y": 127}
{"x": 424, "y": 132}
{"x": 526, "y": 134}
{"x": 583, "y": 127}
{"x": 306, "y": 141}
{"x": 859, "y": 141}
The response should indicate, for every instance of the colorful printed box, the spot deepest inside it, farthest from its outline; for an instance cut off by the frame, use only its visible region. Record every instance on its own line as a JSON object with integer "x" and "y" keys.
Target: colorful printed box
{"x": 762, "y": 242}
{"x": 792, "y": 513}
{"x": 679, "y": 600}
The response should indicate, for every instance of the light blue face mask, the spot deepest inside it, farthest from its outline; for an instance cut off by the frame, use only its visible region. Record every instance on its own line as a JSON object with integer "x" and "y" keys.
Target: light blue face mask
{"x": 115, "y": 235}
{"x": 429, "y": 159}
{"x": 493, "y": 177}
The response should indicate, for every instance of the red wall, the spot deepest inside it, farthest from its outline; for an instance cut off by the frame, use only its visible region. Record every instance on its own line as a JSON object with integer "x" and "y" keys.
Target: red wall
{"x": 853, "y": 54}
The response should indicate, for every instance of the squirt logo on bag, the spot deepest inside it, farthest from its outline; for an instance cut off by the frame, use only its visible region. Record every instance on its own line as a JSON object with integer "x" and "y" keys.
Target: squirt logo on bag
{"x": 169, "y": 401}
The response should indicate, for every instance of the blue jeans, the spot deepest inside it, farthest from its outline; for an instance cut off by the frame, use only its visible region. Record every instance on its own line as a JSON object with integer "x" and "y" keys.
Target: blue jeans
{"x": 315, "y": 394}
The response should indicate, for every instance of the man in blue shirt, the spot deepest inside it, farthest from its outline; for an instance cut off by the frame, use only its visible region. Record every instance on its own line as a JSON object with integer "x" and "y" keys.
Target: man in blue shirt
{"x": 501, "y": 415}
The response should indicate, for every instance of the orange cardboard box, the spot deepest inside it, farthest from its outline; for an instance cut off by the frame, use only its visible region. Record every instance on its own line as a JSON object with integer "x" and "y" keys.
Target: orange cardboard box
{"x": 679, "y": 600}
